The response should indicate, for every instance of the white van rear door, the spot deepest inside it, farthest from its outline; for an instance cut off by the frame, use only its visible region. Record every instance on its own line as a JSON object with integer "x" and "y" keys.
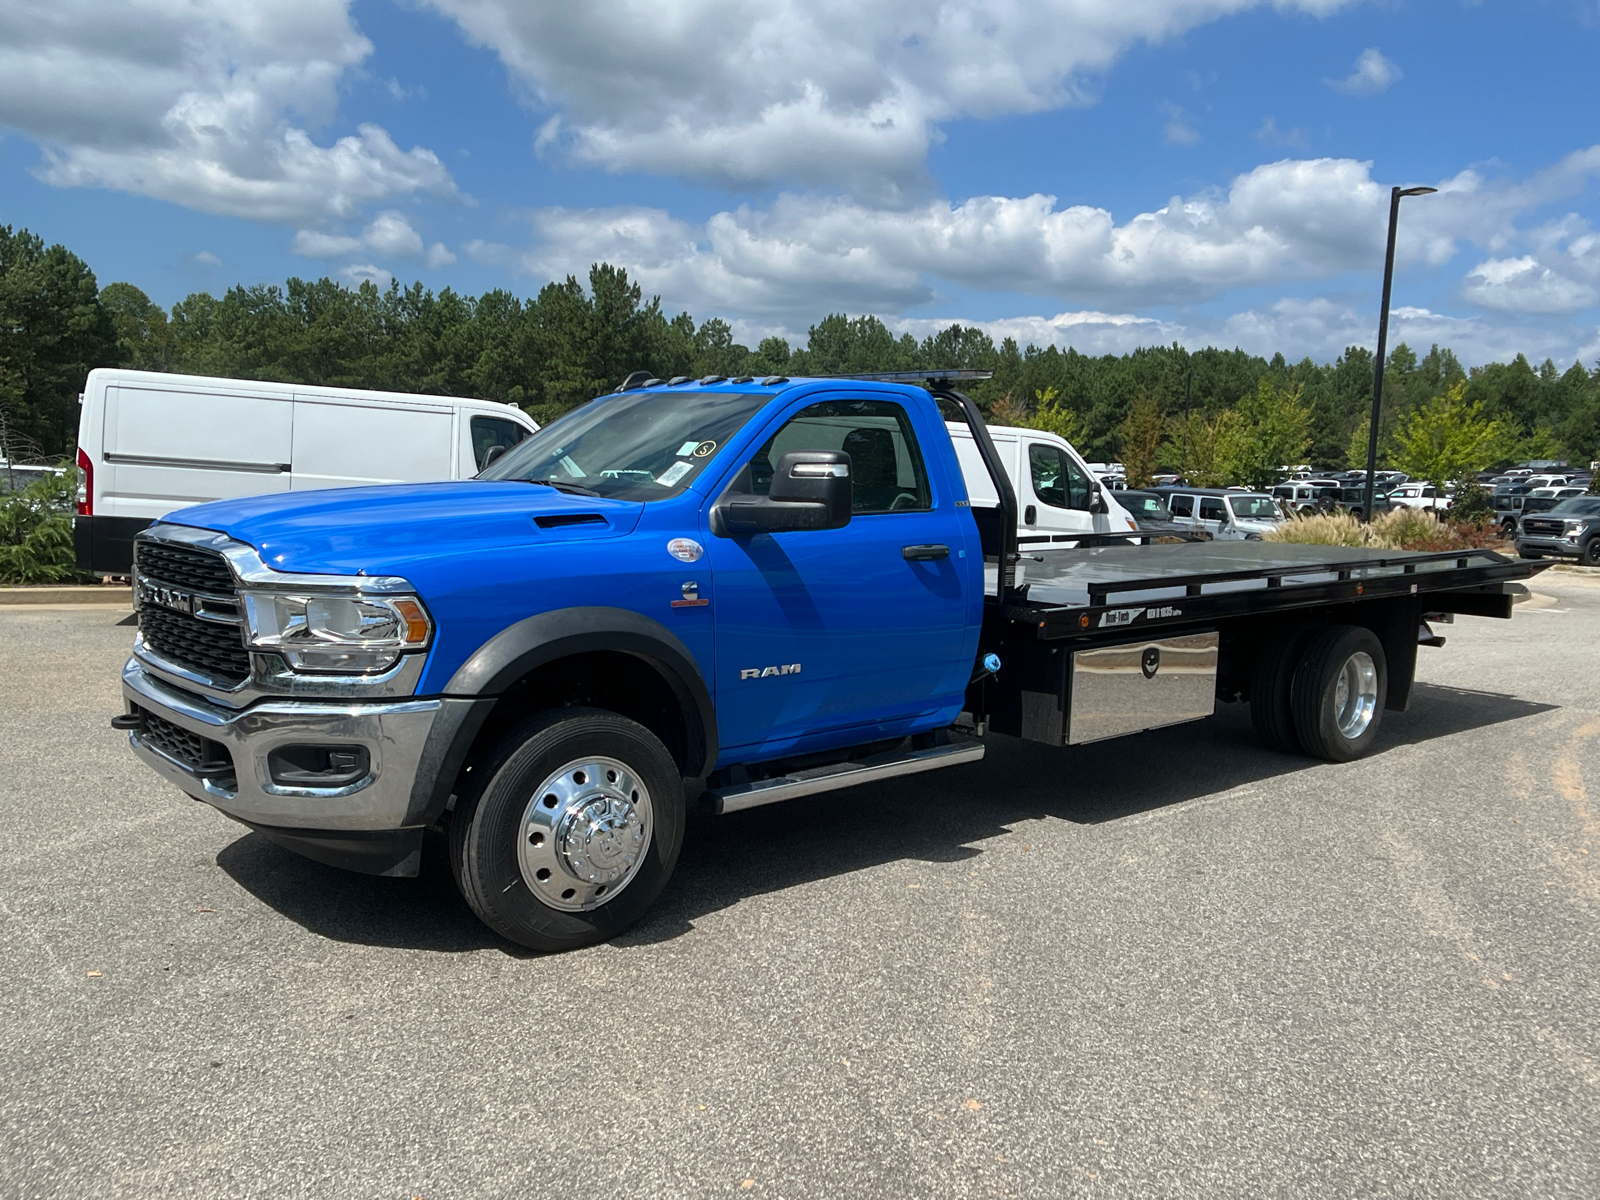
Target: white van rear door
{"x": 352, "y": 445}
{"x": 171, "y": 447}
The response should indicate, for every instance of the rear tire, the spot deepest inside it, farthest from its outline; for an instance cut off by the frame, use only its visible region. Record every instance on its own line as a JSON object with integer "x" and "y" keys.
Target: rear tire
{"x": 1270, "y": 684}
{"x": 569, "y": 830}
{"x": 1338, "y": 693}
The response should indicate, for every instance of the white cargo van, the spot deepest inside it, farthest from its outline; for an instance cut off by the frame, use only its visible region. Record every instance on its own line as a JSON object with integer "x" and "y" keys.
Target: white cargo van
{"x": 150, "y": 443}
{"x": 1057, "y": 495}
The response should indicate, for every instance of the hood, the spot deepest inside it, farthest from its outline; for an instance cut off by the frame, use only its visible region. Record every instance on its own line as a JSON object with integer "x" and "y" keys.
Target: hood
{"x": 377, "y": 530}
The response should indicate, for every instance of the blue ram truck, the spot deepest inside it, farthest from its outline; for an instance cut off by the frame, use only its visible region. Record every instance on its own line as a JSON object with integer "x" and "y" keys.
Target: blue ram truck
{"x": 732, "y": 591}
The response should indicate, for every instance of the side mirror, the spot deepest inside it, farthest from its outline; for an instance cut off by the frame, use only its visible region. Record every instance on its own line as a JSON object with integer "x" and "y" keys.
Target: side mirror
{"x": 1097, "y": 501}
{"x": 811, "y": 489}
{"x": 494, "y": 453}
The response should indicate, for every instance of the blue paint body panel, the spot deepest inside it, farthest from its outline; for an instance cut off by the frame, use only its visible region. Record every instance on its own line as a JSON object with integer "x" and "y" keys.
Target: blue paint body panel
{"x": 884, "y": 646}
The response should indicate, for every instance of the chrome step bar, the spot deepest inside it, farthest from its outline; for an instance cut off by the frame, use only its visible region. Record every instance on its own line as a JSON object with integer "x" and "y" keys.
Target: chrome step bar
{"x": 842, "y": 775}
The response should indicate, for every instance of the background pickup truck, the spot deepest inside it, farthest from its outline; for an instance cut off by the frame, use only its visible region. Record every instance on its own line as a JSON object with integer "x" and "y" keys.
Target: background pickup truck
{"x": 736, "y": 590}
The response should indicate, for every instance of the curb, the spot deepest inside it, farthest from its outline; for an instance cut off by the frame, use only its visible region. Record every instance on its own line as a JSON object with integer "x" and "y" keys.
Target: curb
{"x": 95, "y": 594}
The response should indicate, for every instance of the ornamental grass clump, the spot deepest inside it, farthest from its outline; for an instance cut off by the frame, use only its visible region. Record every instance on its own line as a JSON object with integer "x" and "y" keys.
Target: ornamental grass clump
{"x": 1400, "y": 529}
{"x": 1320, "y": 529}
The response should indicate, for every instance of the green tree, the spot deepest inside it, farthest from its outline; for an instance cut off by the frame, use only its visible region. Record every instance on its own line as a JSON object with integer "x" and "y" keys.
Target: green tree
{"x": 1141, "y": 440}
{"x": 1197, "y": 445}
{"x": 53, "y": 332}
{"x": 1451, "y": 437}
{"x": 140, "y": 324}
{"x": 1273, "y": 431}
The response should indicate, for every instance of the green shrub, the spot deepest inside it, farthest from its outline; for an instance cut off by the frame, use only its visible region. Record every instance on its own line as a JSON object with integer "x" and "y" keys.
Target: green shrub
{"x": 36, "y": 533}
{"x": 1471, "y": 503}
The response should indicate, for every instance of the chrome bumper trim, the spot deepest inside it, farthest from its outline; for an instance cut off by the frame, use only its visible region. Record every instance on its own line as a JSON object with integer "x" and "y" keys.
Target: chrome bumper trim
{"x": 395, "y": 735}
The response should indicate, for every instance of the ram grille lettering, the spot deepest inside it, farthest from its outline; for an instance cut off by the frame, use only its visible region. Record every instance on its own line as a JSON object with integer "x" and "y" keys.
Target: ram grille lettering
{"x": 769, "y": 672}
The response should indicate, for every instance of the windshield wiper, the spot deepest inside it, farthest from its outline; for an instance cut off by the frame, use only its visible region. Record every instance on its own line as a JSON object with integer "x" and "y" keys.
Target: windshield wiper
{"x": 560, "y": 485}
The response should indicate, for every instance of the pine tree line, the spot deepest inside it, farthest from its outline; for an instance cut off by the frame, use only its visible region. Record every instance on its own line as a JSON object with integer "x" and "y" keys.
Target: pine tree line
{"x": 571, "y": 342}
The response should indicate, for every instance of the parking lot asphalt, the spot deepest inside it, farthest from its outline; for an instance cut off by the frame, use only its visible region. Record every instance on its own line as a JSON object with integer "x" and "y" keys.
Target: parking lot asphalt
{"x": 1176, "y": 964}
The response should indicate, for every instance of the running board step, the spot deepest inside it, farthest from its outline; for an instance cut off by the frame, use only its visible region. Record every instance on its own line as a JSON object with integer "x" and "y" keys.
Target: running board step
{"x": 842, "y": 775}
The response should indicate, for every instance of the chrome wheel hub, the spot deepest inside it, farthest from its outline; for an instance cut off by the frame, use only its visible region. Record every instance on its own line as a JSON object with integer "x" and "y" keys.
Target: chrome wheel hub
{"x": 1355, "y": 695}
{"x": 584, "y": 834}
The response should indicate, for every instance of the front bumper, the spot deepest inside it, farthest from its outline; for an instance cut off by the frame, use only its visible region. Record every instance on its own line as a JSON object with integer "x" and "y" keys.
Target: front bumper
{"x": 1549, "y": 545}
{"x": 402, "y": 740}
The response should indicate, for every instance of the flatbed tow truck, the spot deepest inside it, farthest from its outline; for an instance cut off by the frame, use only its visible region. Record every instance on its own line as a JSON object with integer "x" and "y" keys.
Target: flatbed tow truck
{"x": 746, "y": 590}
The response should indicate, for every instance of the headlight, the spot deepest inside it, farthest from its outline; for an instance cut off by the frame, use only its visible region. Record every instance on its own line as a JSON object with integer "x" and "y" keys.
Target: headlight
{"x": 351, "y": 634}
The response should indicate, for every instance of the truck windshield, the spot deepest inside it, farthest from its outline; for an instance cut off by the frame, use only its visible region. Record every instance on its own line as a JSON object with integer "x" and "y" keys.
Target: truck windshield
{"x": 1579, "y": 506}
{"x": 637, "y": 446}
{"x": 1149, "y": 507}
{"x": 1255, "y": 508}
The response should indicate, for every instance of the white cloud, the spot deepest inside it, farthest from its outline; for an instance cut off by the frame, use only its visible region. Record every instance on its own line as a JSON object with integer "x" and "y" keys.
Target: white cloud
{"x": 359, "y": 273}
{"x": 747, "y": 92}
{"x": 1179, "y": 129}
{"x": 202, "y": 102}
{"x": 1525, "y": 285}
{"x": 1284, "y": 221}
{"x": 1268, "y": 134}
{"x": 390, "y": 233}
{"x": 1374, "y": 75}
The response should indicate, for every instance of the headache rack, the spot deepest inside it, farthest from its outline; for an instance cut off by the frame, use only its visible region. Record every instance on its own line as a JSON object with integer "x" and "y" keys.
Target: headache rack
{"x": 1066, "y": 594}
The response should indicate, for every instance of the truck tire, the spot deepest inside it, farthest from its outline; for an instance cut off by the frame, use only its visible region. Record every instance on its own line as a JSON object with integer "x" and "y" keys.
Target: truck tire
{"x": 1269, "y": 690}
{"x": 1338, "y": 693}
{"x": 1589, "y": 556}
{"x": 569, "y": 830}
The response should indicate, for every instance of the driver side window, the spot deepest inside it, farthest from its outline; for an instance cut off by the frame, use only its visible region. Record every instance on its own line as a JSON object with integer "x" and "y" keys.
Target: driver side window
{"x": 886, "y": 471}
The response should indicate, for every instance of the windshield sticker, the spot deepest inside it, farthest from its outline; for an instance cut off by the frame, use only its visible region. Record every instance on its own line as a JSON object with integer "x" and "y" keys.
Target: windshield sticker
{"x": 685, "y": 549}
{"x": 687, "y": 448}
{"x": 674, "y": 473}
{"x": 704, "y": 450}
{"x": 572, "y": 468}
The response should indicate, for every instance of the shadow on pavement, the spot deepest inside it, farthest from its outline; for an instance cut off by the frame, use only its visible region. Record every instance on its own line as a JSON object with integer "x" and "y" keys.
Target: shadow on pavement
{"x": 425, "y": 913}
{"x": 930, "y": 818}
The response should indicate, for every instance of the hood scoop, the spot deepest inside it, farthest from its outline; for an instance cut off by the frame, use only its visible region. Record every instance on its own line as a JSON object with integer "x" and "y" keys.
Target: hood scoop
{"x": 564, "y": 520}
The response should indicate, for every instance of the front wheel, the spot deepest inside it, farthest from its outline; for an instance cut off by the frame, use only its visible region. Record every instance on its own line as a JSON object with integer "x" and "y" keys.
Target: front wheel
{"x": 1589, "y": 556}
{"x": 1338, "y": 693}
{"x": 569, "y": 830}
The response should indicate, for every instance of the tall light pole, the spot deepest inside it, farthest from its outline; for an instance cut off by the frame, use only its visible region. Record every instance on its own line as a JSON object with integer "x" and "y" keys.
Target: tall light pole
{"x": 1383, "y": 344}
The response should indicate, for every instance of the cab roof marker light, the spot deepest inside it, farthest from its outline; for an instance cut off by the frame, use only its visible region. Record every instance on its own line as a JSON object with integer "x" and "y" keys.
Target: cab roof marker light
{"x": 743, "y": 379}
{"x": 706, "y": 380}
{"x": 677, "y": 379}
{"x": 635, "y": 379}
{"x": 773, "y": 380}
{"x": 651, "y": 382}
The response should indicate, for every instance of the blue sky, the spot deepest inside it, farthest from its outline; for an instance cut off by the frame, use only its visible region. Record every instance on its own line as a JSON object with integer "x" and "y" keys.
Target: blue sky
{"x": 1101, "y": 173}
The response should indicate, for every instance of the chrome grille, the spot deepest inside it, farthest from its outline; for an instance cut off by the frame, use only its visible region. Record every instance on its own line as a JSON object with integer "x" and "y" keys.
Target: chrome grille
{"x": 1543, "y": 526}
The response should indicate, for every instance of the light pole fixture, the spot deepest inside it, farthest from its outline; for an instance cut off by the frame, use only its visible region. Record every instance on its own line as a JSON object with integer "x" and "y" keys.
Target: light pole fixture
{"x": 1383, "y": 345}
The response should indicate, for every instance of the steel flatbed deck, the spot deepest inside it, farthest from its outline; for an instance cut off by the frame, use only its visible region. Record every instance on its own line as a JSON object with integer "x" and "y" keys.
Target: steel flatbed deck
{"x": 1072, "y": 592}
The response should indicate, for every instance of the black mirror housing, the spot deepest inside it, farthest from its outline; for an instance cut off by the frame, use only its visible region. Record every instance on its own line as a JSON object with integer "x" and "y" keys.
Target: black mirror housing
{"x": 811, "y": 489}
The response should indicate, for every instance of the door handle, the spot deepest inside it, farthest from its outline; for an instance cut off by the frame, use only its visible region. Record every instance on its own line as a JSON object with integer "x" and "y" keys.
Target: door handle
{"x": 924, "y": 553}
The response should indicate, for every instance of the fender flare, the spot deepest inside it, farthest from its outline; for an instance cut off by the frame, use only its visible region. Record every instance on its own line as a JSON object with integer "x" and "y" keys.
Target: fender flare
{"x": 537, "y": 640}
